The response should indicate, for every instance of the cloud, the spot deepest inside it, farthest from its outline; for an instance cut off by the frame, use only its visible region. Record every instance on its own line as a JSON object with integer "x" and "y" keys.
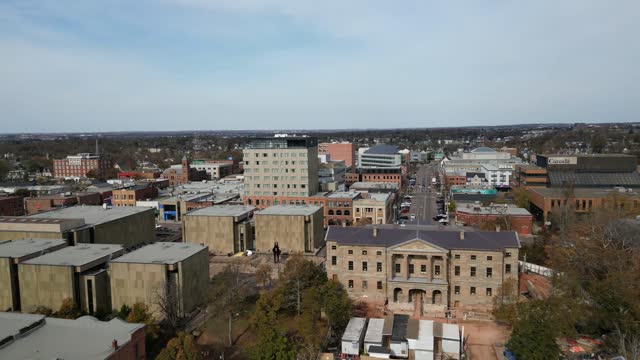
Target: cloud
{"x": 230, "y": 64}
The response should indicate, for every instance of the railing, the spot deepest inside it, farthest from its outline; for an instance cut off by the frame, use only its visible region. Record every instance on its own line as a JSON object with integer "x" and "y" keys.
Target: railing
{"x": 537, "y": 269}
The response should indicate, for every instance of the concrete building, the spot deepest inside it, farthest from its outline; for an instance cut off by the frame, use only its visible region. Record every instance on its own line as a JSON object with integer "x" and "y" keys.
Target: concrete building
{"x": 31, "y": 336}
{"x": 495, "y": 217}
{"x": 591, "y": 171}
{"x": 375, "y": 187}
{"x": 77, "y": 166}
{"x": 294, "y": 228}
{"x": 174, "y": 208}
{"x": 526, "y": 176}
{"x": 130, "y": 195}
{"x": 34, "y": 190}
{"x": 223, "y": 229}
{"x": 35, "y": 205}
{"x": 74, "y": 272}
{"x": 373, "y": 208}
{"x": 280, "y": 170}
{"x": 422, "y": 269}
{"x": 176, "y": 272}
{"x": 485, "y": 153}
{"x": 498, "y": 175}
{"x": 215, "y": 169}
{"x": 127, "y": 226}
{"x": 345, "y": 151}
{"x": 11, "y": 254}
{"x": 380, "y": 156}
{"x": 183, "y": 173}
{"x": 11, "y": 206}
{"x": 331, "y": 175}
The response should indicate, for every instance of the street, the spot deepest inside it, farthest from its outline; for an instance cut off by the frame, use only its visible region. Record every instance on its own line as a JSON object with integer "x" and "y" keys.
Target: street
{"x": 423, "y": 204}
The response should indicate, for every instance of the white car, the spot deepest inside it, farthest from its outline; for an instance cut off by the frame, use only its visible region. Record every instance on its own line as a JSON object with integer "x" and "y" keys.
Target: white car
{"x": 413, "y": 217}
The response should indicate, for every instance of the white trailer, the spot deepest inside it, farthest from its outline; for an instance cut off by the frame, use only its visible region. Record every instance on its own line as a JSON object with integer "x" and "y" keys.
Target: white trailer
{"x": 352, "y": 338}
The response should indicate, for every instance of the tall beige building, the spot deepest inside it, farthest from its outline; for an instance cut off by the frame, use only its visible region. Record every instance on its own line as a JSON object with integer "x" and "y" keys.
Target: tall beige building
{"x": 423, "y": 269}
{"x": 175, "y": 272}
{"x": 74, "y": 272}
{"x": 224, "y": 229}
{"x": 295, "y": 228}
{"x": 280, "y": 170}
{"x": 11, "y": 254}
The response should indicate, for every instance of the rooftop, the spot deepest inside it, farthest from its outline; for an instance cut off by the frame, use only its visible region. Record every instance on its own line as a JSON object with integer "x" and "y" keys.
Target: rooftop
{"x": 222, "y": 210}
{"x": 381, "y": 197}
{"x": 343, "y": 195}
{"x": 388, "y": 237}
{"x": 161, "y": 253}
{"x": 92, "y": 215}
{"x": 501, "y": 209}
{"x": 78, "y": 255}
{"x": 382, "y": 150}
{"x": 290, "y": 210}
{"x": 373, "y": 185}
{"x": 85, "y": 338}
{"x": 400, "y": 323}
{"x": 581, "y": 192}
{"x": 374, "y": 331}
{"x": 20, "y": 248}
{"x": 560, "y": 178}
{"x": 483, "y": 149}
{"x": 588, "y": 155}
{"x": 354, "y": 329}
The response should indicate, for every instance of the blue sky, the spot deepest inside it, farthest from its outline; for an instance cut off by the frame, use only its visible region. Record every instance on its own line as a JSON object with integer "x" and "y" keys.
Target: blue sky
{"x": 119, "y": 65}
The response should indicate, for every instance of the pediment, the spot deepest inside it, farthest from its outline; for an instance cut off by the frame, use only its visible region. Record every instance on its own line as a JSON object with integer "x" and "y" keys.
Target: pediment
{"x": 417, "y": 245}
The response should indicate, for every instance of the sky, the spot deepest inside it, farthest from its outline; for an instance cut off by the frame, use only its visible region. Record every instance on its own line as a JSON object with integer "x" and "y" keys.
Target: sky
{"x": 122, "y": 65}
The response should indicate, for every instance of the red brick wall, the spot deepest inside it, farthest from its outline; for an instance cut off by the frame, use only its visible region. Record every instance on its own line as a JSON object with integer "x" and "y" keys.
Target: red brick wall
{"x": 339, "y": 151}
{"x": 128, "y": 351}
{"x": 521, "y": 224}
{"x": 11, "y": 206}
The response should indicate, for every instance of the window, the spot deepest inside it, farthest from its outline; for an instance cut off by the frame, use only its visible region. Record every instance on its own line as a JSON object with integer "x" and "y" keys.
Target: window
{"x": 507, "y": 269}
{"x": 333, "y": 247}
{"x": 379, "y": 267}
{"x": 489, "y": 272}
{"x": 507, "y": 254}
{"x": 473, "y": 271}
{"x": 456, "y": 256}
{"x": 364, "y": 266}
{"x": 472, "y": 290}
{"x": 456, "y": 271}
{"x": 364, "y": 252}
{"x": 437, "y": 270}
{"x": 489, "y": 258}
{"x": 473, "y": 257}
{"x": 379, "y": 285}
{"x": 411, "y": 268}
{"x": 350, "y": 252}
{"x": 398, "y": 268}
{"x": 364, "y": 284}
{"x": 423, "y": 268}
{"x": 488, "y": 291}
{"x": 334, "y": 260}
{"x": 351, "y": 265}
{"x": 351, "y": 284}
{"x": 456, "y": 290}
{"x": 379, "y": 253}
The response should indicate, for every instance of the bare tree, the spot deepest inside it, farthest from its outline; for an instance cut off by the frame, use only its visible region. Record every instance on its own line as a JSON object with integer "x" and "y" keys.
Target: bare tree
{"x": 229, "y": 289}
{"x": 167, "y": 299}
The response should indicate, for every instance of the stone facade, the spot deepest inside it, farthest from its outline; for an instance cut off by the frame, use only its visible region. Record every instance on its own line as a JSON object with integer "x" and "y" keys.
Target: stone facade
{"x": 300, "y": 230}
{"x": 416, "y": 269}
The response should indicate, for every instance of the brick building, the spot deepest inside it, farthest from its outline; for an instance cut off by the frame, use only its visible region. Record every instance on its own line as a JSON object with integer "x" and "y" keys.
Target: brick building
{"x": 129, "y": 196}
{"x": 183, "y": 173}
{"x": 373, "y": 208}
{"x": 432, "y": 269}
{"x": 46, "y": 203}
{"x": 77, "y": 166}
{"x": 495, "y": 217}
{"x": 345, "y": 151}
{"x": 528, "y": 175}
{"x": 11, "y": 206}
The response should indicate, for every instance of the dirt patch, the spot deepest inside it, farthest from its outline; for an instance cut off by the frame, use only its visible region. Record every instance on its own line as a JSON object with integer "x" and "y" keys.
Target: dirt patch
{"x": 541, "y": 285}
{"x": 483, "y": 337}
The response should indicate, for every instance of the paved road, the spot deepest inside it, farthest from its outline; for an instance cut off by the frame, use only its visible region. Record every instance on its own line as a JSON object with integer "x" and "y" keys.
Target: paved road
{"x": 423, "y": 204}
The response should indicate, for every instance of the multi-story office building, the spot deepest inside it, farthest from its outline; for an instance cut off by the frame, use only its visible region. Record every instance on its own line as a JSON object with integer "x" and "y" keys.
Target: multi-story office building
{"x": 414, "y": 267}
{"x": 294, "y": 228}
{"x": 77, "y": 166}
{"x": 75, "y": 272}
{"x": 345, "y": 151}
{"x": 224, "y": 229}
{"x": 527, "y": 176}
{"x": 215, "y": 169}
{"x": 13, "y": 253}
{"x": 175, "y": 272}
{"x": 331, "y": 175}
{"x": 128, "y": 196}
{"x": 280, "y": 171}
{"x": 380, "y": 156}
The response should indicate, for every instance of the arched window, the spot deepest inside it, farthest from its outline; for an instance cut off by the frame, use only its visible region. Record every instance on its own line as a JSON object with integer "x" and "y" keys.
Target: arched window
{"x": 249, "y": 202}
{"x": 339, "y": 212}
{"x": 347, "y": 212}
{"x": 330, "y": 212}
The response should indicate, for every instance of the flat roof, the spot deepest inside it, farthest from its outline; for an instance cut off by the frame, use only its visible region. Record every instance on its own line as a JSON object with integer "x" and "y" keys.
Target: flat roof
{"x": 343, "y": 194}
{"x": 24, "y": 247}
{"x": 383, "y": 197}
{"x": 580, "y": 192}
{"x": 374, "y": 331}
{"x": 290, "y": 210}
{"x": 451, "y": 332}
{"x": 222, "y": 210}
{"x": 161, "y": 253}
{"x": 399, "y": 332}
{"x": 85, "y": 338}
{"x": 353, "y": 331}
{"x": 382, "y": 149}
{"x": 92, "y": 215}
{"x": 492, "y": 210}
{"x": 76, "y": 255}
{"x": 373, "y": 185}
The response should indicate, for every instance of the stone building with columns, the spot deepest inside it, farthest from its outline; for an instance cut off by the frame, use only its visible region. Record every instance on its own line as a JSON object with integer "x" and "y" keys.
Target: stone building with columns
{"x": 432, "y": 269}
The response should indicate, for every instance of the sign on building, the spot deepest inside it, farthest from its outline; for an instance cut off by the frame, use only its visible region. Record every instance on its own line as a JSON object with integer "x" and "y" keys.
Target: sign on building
{"x": 564, "y": 160}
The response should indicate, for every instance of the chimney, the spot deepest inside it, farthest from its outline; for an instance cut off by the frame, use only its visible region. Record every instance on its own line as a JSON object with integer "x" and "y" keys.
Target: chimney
{"x": 375, "y": 232}
{"x": 114, "y": 344}
{"x": 461, "y": 234}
